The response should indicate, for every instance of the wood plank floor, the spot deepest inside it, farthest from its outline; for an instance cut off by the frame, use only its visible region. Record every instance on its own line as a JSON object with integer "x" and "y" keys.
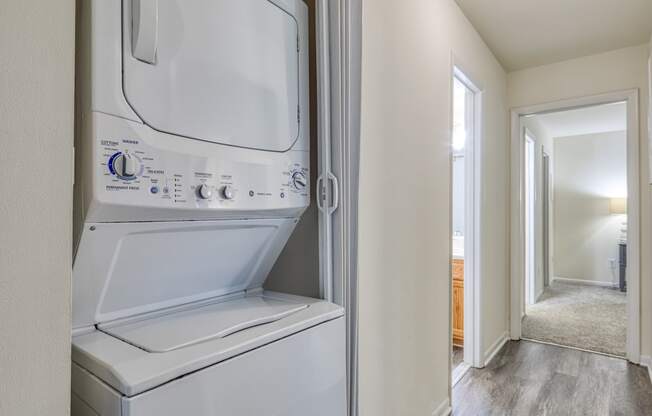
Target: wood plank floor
{"x": 528, "y": 378}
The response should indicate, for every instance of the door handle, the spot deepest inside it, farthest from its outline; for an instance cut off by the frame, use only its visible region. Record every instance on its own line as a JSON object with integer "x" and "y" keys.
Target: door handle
{"x": 336, "y": 193}
{"x": 144, "y": 30}
{"x": 322, "y": 194}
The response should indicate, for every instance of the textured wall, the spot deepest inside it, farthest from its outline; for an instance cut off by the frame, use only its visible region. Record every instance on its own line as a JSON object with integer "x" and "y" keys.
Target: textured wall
{"x": 37, "y": 41}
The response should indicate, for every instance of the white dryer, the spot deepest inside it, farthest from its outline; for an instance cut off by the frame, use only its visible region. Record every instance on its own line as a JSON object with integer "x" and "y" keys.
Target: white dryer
{"x": 192, "y": 171}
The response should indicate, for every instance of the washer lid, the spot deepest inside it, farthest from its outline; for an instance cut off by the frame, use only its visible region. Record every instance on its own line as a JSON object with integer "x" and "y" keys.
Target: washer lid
{"x": 223, "y": 71}
{"x": 132, "y": 370}
{"x": 171, "y": 331}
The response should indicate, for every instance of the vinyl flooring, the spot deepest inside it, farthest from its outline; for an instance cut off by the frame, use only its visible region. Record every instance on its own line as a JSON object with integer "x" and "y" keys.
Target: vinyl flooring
{"x": 527, "y": 378}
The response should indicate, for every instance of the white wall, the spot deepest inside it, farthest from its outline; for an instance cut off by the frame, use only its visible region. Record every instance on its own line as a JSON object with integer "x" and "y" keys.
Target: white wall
{"x": 405, "y": 200}
{"x": 36, "y": 110}
{"x": 590, "y": 169}
{"x": 616, "y": 70}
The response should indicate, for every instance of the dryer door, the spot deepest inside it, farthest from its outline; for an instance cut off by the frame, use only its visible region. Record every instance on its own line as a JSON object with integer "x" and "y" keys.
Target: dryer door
{"x": 222, "y": 71}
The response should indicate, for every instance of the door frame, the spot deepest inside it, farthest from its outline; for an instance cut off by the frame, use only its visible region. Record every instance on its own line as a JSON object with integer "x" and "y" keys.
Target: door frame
{"x": 529, "y": 139}
{"x": 473, "y": 351}
{"x": 338, "y": 53}
{"x": 545, "y": 204}
{"x": 631, "y": 97}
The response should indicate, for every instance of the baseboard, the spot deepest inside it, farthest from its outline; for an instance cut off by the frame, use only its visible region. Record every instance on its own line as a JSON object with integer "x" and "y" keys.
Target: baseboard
{"x": 554, "y": 344}
{"x": 444, "y": 409}
{"x": 584, "y": 282}
{"x": 459, "y": 372}
{"x": 495, "y": 347}
{"x": 646, "y": 361}
{"x": 538, "y": 296}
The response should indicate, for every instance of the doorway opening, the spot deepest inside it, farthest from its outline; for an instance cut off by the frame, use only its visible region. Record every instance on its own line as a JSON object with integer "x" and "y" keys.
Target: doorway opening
{"x": 465, "y": 145}
{"x": 576, "y": 256}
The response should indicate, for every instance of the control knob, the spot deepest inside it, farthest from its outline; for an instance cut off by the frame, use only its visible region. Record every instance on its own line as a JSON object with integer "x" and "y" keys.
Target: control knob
{"x": 299, "y": 180}
{"x": 227, "y": 192}
{"x": 204, "y": 191}
{"x": 125, "y": 165}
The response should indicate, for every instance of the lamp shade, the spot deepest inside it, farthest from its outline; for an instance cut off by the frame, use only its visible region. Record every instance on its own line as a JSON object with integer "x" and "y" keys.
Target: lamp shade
{"x": 618, "y": 206}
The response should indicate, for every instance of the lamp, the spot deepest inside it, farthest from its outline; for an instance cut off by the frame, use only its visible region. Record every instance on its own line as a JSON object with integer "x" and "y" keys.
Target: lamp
{"x": 617, "y": 206}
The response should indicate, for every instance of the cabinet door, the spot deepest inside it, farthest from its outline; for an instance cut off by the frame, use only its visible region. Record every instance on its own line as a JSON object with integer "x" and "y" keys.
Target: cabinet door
{"x": 458, "y": 302}
{"x": 458, "y": 313}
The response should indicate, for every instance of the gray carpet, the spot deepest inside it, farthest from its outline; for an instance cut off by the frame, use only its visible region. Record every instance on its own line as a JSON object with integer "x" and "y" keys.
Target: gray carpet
{"x": 588, "y": 317}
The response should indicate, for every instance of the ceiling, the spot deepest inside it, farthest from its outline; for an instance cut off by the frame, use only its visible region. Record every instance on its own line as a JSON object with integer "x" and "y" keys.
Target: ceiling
{"x": 527, "y": 33}
{"x": 587, "y": 120}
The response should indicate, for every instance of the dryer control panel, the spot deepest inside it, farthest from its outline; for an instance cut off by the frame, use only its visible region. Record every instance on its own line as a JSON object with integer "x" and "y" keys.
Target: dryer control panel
{"x": 162, "y": 171}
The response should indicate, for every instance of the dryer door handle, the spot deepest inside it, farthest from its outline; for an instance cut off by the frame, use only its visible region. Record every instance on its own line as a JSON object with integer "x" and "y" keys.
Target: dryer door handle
{"x": 144, "y": 30}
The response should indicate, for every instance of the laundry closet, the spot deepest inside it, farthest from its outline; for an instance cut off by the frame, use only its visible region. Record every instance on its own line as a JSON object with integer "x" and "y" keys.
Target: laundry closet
{"x": 196, "y": 276}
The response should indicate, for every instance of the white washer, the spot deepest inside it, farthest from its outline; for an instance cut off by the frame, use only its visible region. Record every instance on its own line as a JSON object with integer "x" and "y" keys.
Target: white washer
{"x": 193, "y": 167}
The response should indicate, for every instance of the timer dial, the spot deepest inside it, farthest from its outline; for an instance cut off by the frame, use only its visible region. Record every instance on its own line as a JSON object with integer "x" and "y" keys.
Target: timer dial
{"x": 125, "y": 165}
{"x": 299, "y": 180}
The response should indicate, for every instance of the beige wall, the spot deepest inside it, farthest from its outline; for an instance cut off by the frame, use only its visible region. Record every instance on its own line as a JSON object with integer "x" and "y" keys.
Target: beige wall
{"x": 404, "y": 230}
{"x": 36, "y": 108}
{"x": 590, "y": 169}
{"x": 616, "y": 70}
{"x": 649, "y": 112}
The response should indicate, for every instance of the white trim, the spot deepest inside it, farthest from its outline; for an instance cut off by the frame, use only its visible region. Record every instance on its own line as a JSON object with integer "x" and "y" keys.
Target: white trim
{"x": 570, "y": 347}
{"x": 633, "y": 215}
{"x": 444, "y": 408}
{"x": 339, "y": 59}
{"x": 472, "y": 220}
{"x": 633, "y": 230}
{"x": 531, "y": 248}
{"x": 459, "y": 372}
{"x": 646, "y": 361}
{"x": 583, "y": 282}
{"x": 323, "y": 63}
{"x": 517, "y": 227}
{"x": 495, "y": 348}
{"x": 547, "y": 204}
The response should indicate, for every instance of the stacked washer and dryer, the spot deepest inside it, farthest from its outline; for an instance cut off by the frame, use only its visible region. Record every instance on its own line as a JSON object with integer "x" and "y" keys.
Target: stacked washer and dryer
{"x": 192, "y": 167}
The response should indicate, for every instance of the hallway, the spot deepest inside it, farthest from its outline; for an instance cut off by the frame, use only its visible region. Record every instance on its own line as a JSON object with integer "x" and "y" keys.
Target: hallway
{"x": 528, "y": 378}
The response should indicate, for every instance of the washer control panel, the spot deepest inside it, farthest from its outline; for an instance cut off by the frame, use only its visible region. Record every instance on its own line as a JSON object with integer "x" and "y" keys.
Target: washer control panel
{"x": 131, "y": 172}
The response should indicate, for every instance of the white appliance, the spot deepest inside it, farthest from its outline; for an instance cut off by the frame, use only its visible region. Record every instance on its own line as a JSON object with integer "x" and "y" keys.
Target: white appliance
{"x": 193, "y": 167}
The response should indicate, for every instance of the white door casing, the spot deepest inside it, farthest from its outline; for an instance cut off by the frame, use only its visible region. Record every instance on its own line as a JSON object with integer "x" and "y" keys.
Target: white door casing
{"x": 517, "y": 234}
